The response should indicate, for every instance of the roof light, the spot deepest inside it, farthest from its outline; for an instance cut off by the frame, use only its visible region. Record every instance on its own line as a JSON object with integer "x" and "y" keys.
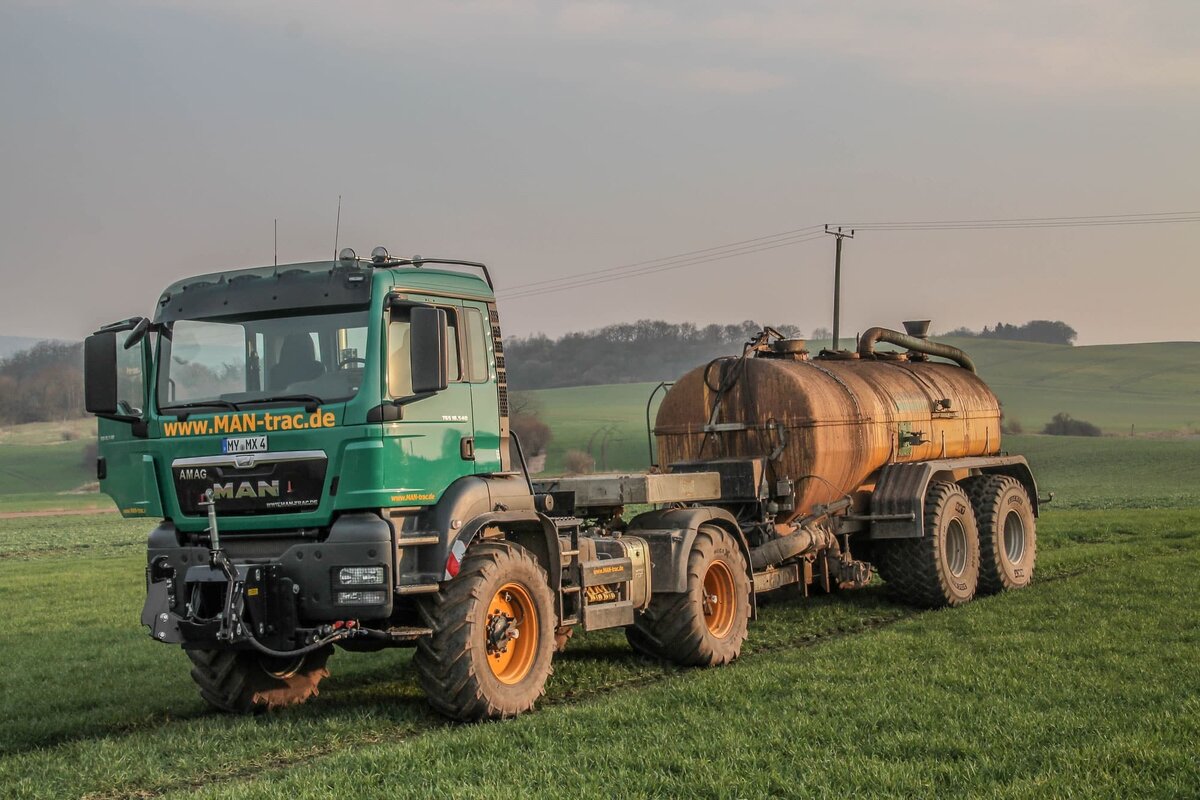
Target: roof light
{"x": 347, "y": 254}
{"x": 379, "y": 255}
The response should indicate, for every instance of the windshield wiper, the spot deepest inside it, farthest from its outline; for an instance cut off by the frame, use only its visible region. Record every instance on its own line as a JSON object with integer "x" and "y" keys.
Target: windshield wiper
{"x": 201, "y": 404}
{"x": 311, "y": 401}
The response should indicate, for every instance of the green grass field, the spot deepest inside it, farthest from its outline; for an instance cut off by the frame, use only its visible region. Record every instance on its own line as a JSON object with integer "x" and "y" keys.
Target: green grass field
{"x": 1082, "y": 685}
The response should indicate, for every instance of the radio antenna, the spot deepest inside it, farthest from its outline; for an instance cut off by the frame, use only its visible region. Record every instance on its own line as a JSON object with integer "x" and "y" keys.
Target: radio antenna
{"x": 277, "y": 241}
{"x": 337, "y": 228}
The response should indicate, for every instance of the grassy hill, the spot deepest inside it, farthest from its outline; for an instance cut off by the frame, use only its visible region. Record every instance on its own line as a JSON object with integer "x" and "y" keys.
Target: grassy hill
{"x": 1153, "y": 388}
{"x": 1150, "y": 389}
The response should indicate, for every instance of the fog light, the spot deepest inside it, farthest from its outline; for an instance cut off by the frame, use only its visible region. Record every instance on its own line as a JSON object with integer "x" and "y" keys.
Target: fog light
{"x": 357, "y": 576}
{"x": 361, "y": 598}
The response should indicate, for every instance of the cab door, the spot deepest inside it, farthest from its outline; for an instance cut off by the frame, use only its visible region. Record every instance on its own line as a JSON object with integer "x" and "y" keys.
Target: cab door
{"x": 481, "y": 365}
{"x": 431, "y": 445}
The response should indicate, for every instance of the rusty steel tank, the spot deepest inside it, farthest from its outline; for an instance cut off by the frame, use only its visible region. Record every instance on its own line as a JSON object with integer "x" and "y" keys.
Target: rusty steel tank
{"x": 829, "y": 423}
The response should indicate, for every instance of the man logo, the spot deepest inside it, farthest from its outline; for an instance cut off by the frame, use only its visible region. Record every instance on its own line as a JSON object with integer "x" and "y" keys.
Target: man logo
{"x": 245, "y": 489}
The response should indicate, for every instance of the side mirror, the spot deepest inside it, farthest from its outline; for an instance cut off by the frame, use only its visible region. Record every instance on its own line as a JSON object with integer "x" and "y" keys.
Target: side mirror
{"x": 113, "y": 381}
{"x": 100, "y": 374}
{"x": 427, "y": 352}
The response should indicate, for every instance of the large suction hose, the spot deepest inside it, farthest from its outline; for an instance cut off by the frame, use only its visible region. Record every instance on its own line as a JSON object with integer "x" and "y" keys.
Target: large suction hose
{"x": 866, "y": 346}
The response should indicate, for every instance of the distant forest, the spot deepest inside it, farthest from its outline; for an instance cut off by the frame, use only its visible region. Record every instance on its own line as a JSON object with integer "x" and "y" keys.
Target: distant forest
{"x": 647, "y": 350}
{"x": 42, "y": 384}
{"x": 1039, "y": 330}
{"x": 45, "y": 382}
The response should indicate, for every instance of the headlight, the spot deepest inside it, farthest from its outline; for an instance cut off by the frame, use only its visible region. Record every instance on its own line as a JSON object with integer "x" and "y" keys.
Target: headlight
{"x": 361, "y": 598}
{"x": 360, "y": 576}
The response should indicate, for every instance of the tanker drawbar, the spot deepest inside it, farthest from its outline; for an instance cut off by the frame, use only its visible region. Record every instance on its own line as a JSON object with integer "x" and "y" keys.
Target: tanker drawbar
{"x": 328, "y": 452}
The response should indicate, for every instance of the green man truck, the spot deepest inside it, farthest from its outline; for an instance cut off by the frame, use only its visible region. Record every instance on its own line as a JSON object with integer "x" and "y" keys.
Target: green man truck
{"x": 326, "y": 449}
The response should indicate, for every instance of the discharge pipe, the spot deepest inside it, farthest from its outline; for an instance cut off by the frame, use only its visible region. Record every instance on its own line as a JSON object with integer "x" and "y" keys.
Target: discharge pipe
{"x": 919, "y": 343}
{"x": 779, "y": 550}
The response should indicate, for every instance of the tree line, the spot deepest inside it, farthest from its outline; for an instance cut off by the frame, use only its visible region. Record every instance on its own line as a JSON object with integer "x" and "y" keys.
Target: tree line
{"x": 1044, "y": 331}
{"x": 646, "y": 350}
{"x": 42, "y": 384}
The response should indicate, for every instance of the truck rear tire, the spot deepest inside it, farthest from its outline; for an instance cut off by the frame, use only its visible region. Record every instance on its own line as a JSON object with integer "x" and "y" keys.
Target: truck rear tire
{"x": 242, "y": 682}
{"x": 942, "y": 567}
{"x": 705, "y": 625}
{"x": 493, "y": 635}
{"x": 1007, "y": 532}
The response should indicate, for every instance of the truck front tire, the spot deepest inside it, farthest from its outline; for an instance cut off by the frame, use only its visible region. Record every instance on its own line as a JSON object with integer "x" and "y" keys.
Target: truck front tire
{"x": 942, "y": 567}
{"x": 705, "y": 625}
{"x": 493, "y": 635}
{"x": 242, "y": 682}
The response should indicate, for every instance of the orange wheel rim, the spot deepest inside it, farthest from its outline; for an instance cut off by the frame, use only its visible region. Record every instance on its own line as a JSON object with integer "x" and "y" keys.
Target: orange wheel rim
{"x": 511, "y": 633}
{"x": 720, "y": 599}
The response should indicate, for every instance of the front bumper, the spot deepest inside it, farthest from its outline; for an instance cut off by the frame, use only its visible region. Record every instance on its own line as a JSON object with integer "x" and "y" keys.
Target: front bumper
{"x": 280, "y": 593}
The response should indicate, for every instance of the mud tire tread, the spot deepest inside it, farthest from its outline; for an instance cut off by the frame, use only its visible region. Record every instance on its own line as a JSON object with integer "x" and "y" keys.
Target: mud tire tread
{"x": 444, "y": 661}
{"x": 910, "y": 567}
{"x": 235, "y": 682}
{"x": 672, "y": 627}
{"x": 985, "y": 493}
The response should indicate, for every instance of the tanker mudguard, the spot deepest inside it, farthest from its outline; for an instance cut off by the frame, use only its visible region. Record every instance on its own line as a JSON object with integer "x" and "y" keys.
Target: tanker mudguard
{"x": 670, "y": 533}
{"x": 900, "y": 489}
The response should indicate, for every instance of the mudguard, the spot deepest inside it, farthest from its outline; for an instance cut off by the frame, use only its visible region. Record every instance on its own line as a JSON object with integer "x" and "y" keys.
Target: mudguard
{"x": 900, "y": 489}
{"x": 670, "y": 533}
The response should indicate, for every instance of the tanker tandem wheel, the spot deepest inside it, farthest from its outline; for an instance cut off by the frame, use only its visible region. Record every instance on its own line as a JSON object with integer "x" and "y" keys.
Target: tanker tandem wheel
{"x": 942, "y": 567}
{"x": 1007, "y": 532}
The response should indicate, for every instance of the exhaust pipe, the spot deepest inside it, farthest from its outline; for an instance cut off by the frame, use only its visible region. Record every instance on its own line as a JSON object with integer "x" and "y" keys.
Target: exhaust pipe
{"x": 919, "y": 343}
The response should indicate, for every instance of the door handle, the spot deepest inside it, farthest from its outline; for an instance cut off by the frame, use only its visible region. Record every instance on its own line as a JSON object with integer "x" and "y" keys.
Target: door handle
{"x": 466, "y": 448}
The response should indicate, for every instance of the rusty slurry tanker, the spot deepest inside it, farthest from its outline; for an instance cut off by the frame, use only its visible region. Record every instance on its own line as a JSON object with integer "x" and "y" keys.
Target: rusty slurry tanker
{"x": 883, "y": 454}
{"x": 326, "y": 448}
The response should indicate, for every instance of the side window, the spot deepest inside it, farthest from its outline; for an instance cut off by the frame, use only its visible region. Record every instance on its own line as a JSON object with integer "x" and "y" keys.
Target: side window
{"x": 399, "y": 351}
{"x": 399, "y": 374}
{"x": 477, "y": 368}
{"x": 454, "y": 367}
{"x": 130, "y": 381}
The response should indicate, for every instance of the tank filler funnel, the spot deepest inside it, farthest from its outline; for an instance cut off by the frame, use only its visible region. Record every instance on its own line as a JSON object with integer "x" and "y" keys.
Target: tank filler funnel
{"x": 917, "y": 327}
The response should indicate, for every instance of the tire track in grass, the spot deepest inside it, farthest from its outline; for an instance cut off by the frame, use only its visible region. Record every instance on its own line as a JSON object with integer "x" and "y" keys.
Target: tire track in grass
{"x": 402, "y": 733}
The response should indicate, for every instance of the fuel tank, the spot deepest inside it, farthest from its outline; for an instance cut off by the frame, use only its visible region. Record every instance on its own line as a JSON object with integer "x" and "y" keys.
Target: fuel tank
{"x": 826, "y": 425}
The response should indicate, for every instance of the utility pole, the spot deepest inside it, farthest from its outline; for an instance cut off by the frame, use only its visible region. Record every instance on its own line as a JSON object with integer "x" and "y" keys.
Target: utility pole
{"x": 837, "y": 283}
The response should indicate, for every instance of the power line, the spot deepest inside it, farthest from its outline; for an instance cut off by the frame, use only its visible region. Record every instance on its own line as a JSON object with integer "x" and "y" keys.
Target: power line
{"x": 730, "y": 245}
{"x": 1158, "y": 218}
{"x": 809, "y": 233}
{"x": 653, "y": 270}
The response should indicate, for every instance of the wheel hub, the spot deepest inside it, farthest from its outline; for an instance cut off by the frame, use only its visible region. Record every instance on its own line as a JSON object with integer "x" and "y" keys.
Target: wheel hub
{"x": 511, "y": 613}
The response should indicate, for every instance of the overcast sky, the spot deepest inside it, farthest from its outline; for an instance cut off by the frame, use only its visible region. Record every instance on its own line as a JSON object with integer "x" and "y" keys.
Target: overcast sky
{"x": 143, "y": 142}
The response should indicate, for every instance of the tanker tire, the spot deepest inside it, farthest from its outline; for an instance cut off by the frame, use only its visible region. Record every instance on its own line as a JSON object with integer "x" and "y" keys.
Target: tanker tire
{"x": 674, "y": 628}
{"x": 452, "y": 663}
{"x": 241, "y": 682}
{"x": 920, "y": 571}
{"x": 1006, "y": 560}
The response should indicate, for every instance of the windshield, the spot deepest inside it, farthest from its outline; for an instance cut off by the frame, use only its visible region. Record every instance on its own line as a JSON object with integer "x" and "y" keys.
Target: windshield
{"x": 235, "y": 362}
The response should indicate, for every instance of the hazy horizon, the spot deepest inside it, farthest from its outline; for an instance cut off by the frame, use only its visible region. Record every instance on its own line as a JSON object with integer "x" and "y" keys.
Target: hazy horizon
{"x": 143, "y": 143}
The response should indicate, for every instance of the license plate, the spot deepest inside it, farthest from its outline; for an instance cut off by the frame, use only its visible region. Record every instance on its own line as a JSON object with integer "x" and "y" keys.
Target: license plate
{"x": 244, "y": 444}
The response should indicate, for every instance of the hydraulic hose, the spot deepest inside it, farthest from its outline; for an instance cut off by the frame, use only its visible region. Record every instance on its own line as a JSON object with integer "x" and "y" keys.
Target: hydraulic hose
{"x": 336, "y": 636}
{"x": 866, "y": 346}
